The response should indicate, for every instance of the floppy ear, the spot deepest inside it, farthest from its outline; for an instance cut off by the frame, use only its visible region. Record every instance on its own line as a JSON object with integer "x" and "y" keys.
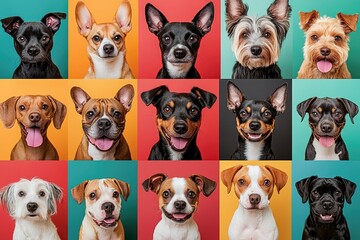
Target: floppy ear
{"x": 59, "y": 112}
{"x": 125, "y": 96}
{"x": 302, "y": 187}
{"x": 227, "y": 176}
{"x": 79, "y": 97}
{"x": 7, "y": 198}
{"x": 349, "y": 188}
{"x": 153, "y": 96}
{"x": 307, "y": 19}
{"x": 84, "y": 19}
{"x": 205, "y": 185}
{"x": 53, "y": 20}
{"x": 123, "y": 16}
{"x": 303, "y": 107}
{"x": 207, "y": 99}
{"x": 348, "y": 22}
{"x": 124, "y": 188}
{"x": 8, "y": 112}
{"x": 11, "y": 24}
{"x": 278, "y": 98}
{"x": 350, "y": 107}
{"x": 204, "y": 18}
{"x": 280, "y": 177}
{"x": 154, "y": 19}
{"x": 56, "y": 194}
{"x": 154, "y": 182}
{"x": 78, "y": 191}
{"x": 234, "y": 96}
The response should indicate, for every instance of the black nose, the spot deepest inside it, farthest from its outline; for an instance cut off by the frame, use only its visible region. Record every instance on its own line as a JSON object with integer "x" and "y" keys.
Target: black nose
{"x": 254, "y": 126}
{"x": 180, "y": 53}
{"x": 254, "y": 199}
{"x": 108, "y": 207}
{"x": 326, "y": 127}
{"x": 31, "y": 207}
{"x": 108, "y": 48}
{"x": 325, "y": 51}
{"x": 180, "y": 128}
{"x": 104, "y": 124}
{"x": 256, "y": 50}
{"x": 327, "y": 205}
{"x": 34, "y": 117}
{"x": 180, "y": 205}
{"x": 33, "y": 51}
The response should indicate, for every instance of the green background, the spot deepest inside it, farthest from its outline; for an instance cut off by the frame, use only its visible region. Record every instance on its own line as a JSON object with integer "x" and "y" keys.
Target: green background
{"x": 256, "y": 8}
{"x": 344, "y": 169}
{"x": 126, "y": 171}
{"x": 33, "y": 11}
{"x": 304, "y": 89}
{"x": 329, "y": 8}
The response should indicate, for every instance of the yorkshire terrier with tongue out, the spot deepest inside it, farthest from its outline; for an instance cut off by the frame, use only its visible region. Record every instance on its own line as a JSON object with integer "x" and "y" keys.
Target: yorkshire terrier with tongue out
{"x": 326, "y": 45}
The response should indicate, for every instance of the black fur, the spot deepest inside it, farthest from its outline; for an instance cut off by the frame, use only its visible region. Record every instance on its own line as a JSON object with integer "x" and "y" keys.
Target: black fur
{"x": 270, "y": 72}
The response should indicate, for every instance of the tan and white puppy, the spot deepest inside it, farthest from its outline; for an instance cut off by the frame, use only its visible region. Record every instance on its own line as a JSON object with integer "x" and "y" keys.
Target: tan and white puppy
{"x": 254, "y": 186}
{"x": 103, "y": 122}
{"x": 178, "y": 201}
{"x": 31, "y": 203}
{"x": 34, "y": 114}
{"x": 103, "y": 205}
{"x": 106, "y": 42}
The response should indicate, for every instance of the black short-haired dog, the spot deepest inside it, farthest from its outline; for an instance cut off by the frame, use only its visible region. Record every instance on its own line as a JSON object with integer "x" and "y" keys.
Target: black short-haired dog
{"x": 326, "y": 120}
{"x": 178, "y": 121}
{"x": 255, "y": 121}
{"x": 179, "y": 41}
{"x": 33, "y": 42}
{"x": 326, "y": 199}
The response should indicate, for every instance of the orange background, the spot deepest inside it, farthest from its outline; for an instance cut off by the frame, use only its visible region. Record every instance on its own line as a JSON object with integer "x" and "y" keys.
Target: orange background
{"x": 55, "y": 88}
{"x": 101, "y": 89}
{"x": 280, "y": 203}
{"x": 102, "y": 13}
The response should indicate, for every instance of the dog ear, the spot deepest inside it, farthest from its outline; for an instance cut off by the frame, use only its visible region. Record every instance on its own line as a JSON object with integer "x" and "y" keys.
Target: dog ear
{"x": 302, "y": 187}
{"x": 153, "y": 96}
{"x": 59, "y": 112}
{"x": 227, "y": 176}
{"x": 348, "y": 22}
{"x": 123, "y": 16}
{"x": 53, "y": 20}
{"x": 8, "y": 112}
{"x": 78, "y": 191}
{"x": 349, "y": 188}
{"x": 307, "y": 19}
{"x": 124, "y": 188}
{"x": 303, "y": 107}
{"x": 7, "y": 198}
{"x": 84, "y": 19}
{"x": 79, "y": 97}
{"x": 11, "y": 24}
{"x": 278, "y": 98}
{"x": 204, "y": 184}
{"x": 154, "y": 182}
{"x": 154, "y": 18}
{"x": 56, "y": 194}
{"x": 235, "y": 9}
{"x": 279, "y": 10}
{"x": 207, "y": 99}
{"x": 204, "y": 18}
{"x": 125, "y": 96}
{"x": 350, "y": 107}
{"x": 234, "y": 96}
{"x": 280, "y": 177}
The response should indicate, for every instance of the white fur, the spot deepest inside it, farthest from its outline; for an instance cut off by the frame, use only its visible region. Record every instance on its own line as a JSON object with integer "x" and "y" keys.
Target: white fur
{"x": 323, "y": 153}
{"x": 253, "y": 150}
{"x": 178, "y": 70}
{"x": 174, "y": 155}
{"x": 107, "y": 67}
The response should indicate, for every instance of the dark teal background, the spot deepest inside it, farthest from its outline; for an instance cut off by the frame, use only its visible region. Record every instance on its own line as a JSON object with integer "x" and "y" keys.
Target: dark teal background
{"x": 33, "y": 11}
{"x": 344, "y": 169}
{"x": 329, "y": 8}
{"x": 126, "y": 171}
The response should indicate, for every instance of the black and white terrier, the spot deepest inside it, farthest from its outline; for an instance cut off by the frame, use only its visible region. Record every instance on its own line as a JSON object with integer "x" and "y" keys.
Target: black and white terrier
{"x": 256, "y": 41}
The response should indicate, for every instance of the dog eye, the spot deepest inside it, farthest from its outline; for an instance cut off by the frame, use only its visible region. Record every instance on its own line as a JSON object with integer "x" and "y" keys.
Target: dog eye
{"x": 44, "y": 38}
{"x": 267, "y": 35}
{"x": 166, "y": 194}
{"x": 241, "y": 182}
{"x": 42, "y": 194}
{"x": 338, "y": 193}
{"x": 194, "y": 111}
{"x": 267, "y": 183}
{"x": 21, "y": 194}
{"x": 267, "y": 114}
{"x": 115, "y": 194}
{"x": 117, "y": 114}
{"x": 166, "y": 39}
{"x": 21, "y": 39}
{"x": 96, "y": 38}
{"x": 191, "y": 194}
{"x": 167, "y": 110}
{"x": 193, "y": 39}
{"x": 337, "y": 38}
{"x": 44, "y": 106}
{"x": 90, "y": 114}
{"x": 117, "y": 38}
{"x": 243, "y": 113}
{"x": 245, "y": 35}
{"x": 314, "y": 37}
{"x": 315, "y": 193}
{"x": 22, "y": 108}
{"x": 92, "y": 196}
{"x": 314, "y": 114}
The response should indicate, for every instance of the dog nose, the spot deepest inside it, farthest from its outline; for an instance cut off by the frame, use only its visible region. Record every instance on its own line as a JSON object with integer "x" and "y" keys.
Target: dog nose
{"x": 104, "y": 124}
{"x": 256, "y": 50}
{"x": 31, "y": 207}
{"x": 180, "y": 205}
{"x": 254, "y": 199}
{"x": 33, "y": 51}
{"x": 254, "y": 126}
{"x": 180, "y": 128}
{"x": 108, "y": 48}
{"x": 180, "y": 53}
{"x": 327, "y": 205}
{"x": 108, "y": 207}
{"x": 325, "y": 51}
{"x": 326, "y": 128}
{"x": 34, "y": 117}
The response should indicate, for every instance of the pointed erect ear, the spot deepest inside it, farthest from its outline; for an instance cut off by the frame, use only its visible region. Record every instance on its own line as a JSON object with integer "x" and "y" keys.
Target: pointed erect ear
{"x": 302, "y": 187}
{"x": 11, "y": 24}
{"x": 279, "y": 10}
{"x": 78, "y": 192}
{"x": 125, "y": 96}
{"x": 204, "y": 18}
{"x": 235, "y": 9}
{"x": 153, "y": 96}
{"x": 8, "y": 112}
{"x": 307, "y": 19}
{"x": 84, "y": 19}
{"x": 154, "y": 18}
{"x": 227, "y": 176}
{"x": 207, "y": 99}
{"x": 303, "y": 107}
{"x": 278, "y": 98}
{"x": 59, "y": 112}
{"x": 124, "y": 188}
{"x": 80, "y": 98}
{"x": 154, "y": 182}
{"x": 349, "y": 188}
{"x": 53, "y": 20}
{"x": 348, "y": 22}
{"x": 350, "y": 107}
{"x": 123, "y": 16}
{"x": 205, "y": 185}
{"x": 234, "y": 96}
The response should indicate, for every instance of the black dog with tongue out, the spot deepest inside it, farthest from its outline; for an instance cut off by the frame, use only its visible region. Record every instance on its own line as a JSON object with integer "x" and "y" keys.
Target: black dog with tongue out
{"x": 178, "y": 121}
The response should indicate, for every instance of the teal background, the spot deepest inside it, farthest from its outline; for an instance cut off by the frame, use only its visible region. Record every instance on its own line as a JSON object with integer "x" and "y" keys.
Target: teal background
{"x": 344, "y": 169}
{"x": 256, "y": 8}
{"x": 126, "y": 171}
{"x": 33, "y": 11}
{"x": 304, "y": 89}
{"x": 329, "y": 8}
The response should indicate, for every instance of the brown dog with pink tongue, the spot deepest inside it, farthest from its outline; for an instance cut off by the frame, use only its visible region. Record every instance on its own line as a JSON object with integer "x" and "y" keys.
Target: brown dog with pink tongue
{"x": 34, "y": 114}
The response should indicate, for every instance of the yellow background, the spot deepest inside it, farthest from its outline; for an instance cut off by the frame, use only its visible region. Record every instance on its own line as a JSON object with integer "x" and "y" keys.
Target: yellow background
{"x": 279, "y": 203}
{"x": 102, "y": 13}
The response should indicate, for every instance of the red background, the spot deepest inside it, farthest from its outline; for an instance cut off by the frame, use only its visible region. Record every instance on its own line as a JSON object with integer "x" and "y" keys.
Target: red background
{"x": 207, "y": 213}
{"x": 55, "y": 172}
{"x": 208, "y": 59}
{"x": 208, "y": 135}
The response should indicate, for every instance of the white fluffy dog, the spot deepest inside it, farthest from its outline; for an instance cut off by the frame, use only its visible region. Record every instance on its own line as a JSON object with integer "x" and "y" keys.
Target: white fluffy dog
{"x": 31, "y": 203}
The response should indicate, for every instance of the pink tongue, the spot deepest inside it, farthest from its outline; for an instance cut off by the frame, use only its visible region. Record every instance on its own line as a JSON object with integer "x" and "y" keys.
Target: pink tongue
{"x": 104, "y": 144}
{"x": 109, "y": 221}
{"x": 34, "y": 138}
{"x": 326, "y": 141}
{"x": 179, "y": 143}
{"x": 324, "y": 66}
{"x": 179, "y": 215}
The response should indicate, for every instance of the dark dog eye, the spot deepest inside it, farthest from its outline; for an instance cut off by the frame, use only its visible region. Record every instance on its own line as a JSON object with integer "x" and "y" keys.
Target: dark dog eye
{"x": 193, "y": 39}
{"x": 267, "y": 35}
{"x": 314, "y": 114}
{"x": 191, "y": 194}
{"x": 42, "y": 194}
{"x": 96, "y": 38}
{"x": 166, "y": 39}
{"x": 267, "y": 114}
{"x": 194, "y": 111}
{"x": 21, "y": 194}
{"x": 166, "y": 194}
{"x": 338, "y": 193}
{"x": 167, "y": 110}
{"x": 314, "y": 37}
{"x": 117, "y": 38}
{"x": 337, "y": 38}
{"x": 21, "y": 39}
{"x": 115, "y": 194}
{"x": 22, "y": 108}
{"x": 92, "y": 196}
{"x": 241, "y": 182}
{"x": 117, "y": 114}
{"x": 267, "y": 183}
{"x": 243, "y": 113}
{"x": 90, "y": 114}
{"x": 315, "y": 193}
{"x": 245, "y": 35}
{"x": 44, "y": 106}
{"x": 44, "y": 38}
